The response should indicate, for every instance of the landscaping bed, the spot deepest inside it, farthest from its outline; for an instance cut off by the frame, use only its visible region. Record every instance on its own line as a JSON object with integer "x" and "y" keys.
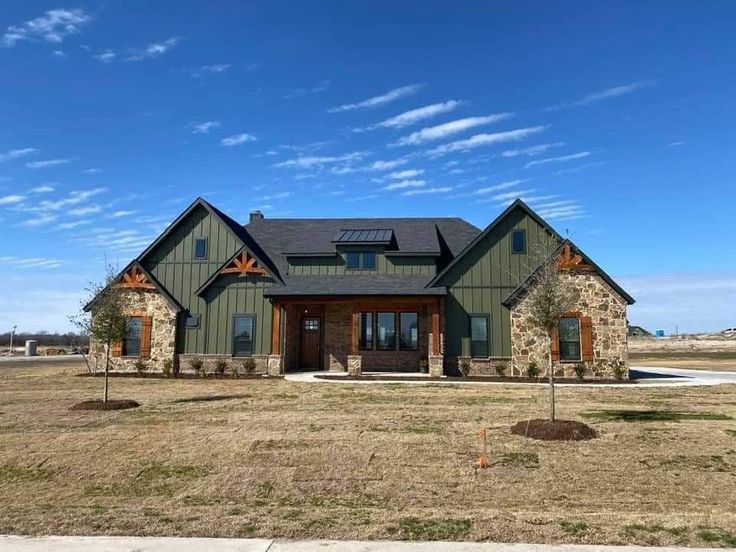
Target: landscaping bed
{"x": 498, "y": 379}
{"x": 111, "y": 404}
{"x": 187, "y": 376}
{"x": 559, "y": 430}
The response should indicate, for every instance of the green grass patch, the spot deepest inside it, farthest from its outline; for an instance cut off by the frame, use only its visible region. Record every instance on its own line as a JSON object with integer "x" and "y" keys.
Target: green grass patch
{"x": 413, "y": 528}
{"x": 650, "y": 415}
{"x": 638, "y": 528}
{"x": 710, "y": 463}
{"x": 157, "y": 472}
{"x": 9, "y": 474}
{"x": 424, "y": 429}
{"x": 731, "y": 432}
{"x": 718, "y": 536}
{"x": 574, "y": 528}
{"x": 519, "y": 460}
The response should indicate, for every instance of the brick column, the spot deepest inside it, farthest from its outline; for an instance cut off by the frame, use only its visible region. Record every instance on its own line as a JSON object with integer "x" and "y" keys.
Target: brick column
{"x": 436, "y": 359}
{"x": 355, "y": 361}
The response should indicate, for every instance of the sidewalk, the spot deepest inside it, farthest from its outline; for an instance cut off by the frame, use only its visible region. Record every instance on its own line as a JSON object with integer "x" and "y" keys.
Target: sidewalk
{"x": 172, "y": 544}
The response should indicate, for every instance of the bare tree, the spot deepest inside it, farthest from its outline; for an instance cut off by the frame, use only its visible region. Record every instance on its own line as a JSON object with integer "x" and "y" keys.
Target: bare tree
{"x": 549, "y": 297}
{"x": 102, "y": 317}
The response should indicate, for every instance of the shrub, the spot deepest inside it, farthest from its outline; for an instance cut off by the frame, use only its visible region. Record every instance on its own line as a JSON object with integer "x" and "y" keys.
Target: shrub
{"x": 197, "y": 365}
{"x": 168, "y": 368}
{"x": 249, "y": 366}
{"x": 532, "y": 370}
{"x": 501, "y": 369}
{"x": 234, "y": 370}
{"x": 423, "y": 365}
{"x": 220, "y": 367}
{"x": 140, "y": 366}
{"x": 464, "y": 367}
{"x": 579, "y": 370}
{"x": 619, "y": 370}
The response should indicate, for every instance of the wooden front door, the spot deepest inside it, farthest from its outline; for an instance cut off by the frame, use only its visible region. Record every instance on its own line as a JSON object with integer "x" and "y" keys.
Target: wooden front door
{"x": 311, "y": 343}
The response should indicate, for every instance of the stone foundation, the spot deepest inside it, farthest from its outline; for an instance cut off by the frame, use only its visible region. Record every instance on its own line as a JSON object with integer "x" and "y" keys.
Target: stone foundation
{"x": 436, "y": 365}
{"x": 354, "y": 365}
{"x": 275, "y": 365}
{"x": 593, "y": 298}
{"x": 210, "y": 362}
{"x": 163, "y": 333}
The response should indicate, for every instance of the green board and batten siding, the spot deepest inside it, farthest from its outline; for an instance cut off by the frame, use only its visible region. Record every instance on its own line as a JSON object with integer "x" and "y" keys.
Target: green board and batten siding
{"x": 172, "y": 263}
{"x": 385, "y": 264}
{"x": 482, "y": 279}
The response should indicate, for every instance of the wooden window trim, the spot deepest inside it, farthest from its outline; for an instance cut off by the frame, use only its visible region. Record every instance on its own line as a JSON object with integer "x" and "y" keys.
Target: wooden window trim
{"x": 576, "y": 316}
{"x": 123, "y": 353}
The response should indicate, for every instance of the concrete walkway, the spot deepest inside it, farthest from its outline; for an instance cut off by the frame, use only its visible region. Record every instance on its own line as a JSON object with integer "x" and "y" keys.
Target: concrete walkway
{"x": 172, "y": 544}
{"x": 650, "y": 377}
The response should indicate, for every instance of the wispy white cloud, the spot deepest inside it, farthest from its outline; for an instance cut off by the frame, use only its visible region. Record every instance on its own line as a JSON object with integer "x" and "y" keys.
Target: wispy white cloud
{"x": 532, "y": 150}
{"x": 42, "y": 189}
{"x": 280, "y": 195}
{"x": 563, "y": 212}
{"x": 613, "y": 92}
{"x": 74, "y": 224}
{"x": 560, "y": 159}
{"x": 154, "y": 50}
{"x": 408, "y": 173}
{"x": 238, "y": 139}
{"x": 404, "y": 184}
{"x": 11, "y": 199}
{"x": 414, "y": 116}
{"x": 444, "y": 130}
{"x": 384, "y": 165}
{"x": 675, "y": 144}
{"x": 579, "y": 168}
{"x": 47, "y": 163}
{"x": 480, "y": 140}
{"x": 423, "y": 191}
{"x": 31, "y": 262}
{"x": 214, "y": 69}
{"x": 496, "y": 187}
{"x": 16, "y": 153}
{"x": 53, "y": 26}
{"x": 378, "y": 101}
{"x": 92, "y": 171}
{"x": 107, "y": 56}
{"x": 314, "y": 161}
{"x": 306, "y": 91}
{"x": 59, "y": 53}
{"x": 120, "y": 214}
{"x": 83, "y": 211}
{"x": 40, "y": 220}
{"x": 362, "y": 197}
{"x": 205, "y": 127}
{"x": 75, "y": 197}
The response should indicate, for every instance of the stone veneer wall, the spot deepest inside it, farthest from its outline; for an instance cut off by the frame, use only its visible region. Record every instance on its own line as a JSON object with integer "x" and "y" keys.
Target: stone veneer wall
{"x": 594, "y": 298}
{"x": 163, "y": 332}
{"x": 211, "y": 360}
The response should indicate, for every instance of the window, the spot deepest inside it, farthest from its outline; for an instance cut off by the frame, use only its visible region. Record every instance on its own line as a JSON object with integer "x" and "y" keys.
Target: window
{"x": 569, "y": 332}
{"x": 366, "y": 331}
{"x": 353, "y": 259}
{"x": 243, "y": 335}
{"x": 479, "y": 336}
{"x": 200, "y": 248}
{"x": 191, "y": 321}
{"x": 386, "y": 330}
{"x": 518, "y": 241}
{"x": 357, "y": 260}
{"x": 132, "y": 341}
{"x": 369, "y": 260}
{"x": 408, "y": 331}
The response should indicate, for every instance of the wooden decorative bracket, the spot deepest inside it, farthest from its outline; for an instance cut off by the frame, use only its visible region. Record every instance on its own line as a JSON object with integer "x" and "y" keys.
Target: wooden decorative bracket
{"x": 133, "y": 278}
{"x": 244, "y": 263}
{"x": 572, "y": 261}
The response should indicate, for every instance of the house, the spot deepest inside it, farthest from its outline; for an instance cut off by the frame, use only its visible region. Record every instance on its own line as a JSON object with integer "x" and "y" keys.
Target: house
{"x": 361, "y": 294}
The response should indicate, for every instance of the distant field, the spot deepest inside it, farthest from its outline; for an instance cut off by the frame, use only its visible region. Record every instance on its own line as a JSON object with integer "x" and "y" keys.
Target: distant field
{"x": 298, "y": 460}
{"x": 698, "y": 352}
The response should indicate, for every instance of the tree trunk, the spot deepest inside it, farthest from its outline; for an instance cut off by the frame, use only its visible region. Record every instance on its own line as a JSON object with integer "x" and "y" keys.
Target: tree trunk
{"x": 107, "y": 371}
{"x": 550, "y": 372}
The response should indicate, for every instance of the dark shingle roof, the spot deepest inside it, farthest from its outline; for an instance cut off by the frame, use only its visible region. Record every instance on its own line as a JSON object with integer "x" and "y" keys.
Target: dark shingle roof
{"x": 281, "y": 237}
{"x": 363, "y": 284}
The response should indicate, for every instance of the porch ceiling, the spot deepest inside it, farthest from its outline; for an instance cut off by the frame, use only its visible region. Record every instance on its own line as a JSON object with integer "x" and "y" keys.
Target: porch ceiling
{"x": 355, "y": 285}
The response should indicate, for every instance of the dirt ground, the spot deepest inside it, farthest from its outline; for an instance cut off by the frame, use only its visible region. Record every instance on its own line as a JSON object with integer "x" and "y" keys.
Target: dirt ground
{"x": 297, "y": 460}
{"x": 700, "y": 352}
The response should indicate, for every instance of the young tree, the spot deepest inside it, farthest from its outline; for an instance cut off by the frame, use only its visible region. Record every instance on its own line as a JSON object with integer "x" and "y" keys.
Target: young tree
{"x": 549, "y": 298}
{"x": 102, "y": 317}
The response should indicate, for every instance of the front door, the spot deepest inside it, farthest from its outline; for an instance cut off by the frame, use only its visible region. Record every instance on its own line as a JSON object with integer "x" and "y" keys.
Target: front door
{"x": 310, "y": 348}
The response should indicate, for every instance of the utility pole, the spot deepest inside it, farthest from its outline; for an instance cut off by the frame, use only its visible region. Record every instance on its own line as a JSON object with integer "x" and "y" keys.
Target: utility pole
{"x": 12, "y": 333}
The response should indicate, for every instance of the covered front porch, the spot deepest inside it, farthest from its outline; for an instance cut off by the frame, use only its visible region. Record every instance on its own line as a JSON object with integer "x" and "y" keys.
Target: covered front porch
{"x": 358, "y": 333}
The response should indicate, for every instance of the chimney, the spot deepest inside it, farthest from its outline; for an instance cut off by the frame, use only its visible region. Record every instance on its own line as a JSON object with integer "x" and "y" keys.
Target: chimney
{"x": 255, "y": 215}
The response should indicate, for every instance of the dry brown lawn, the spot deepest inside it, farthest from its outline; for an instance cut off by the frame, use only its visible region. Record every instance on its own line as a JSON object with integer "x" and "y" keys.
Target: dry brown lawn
{"x": 279, "y": 459}
{"x": 700, "y": 352}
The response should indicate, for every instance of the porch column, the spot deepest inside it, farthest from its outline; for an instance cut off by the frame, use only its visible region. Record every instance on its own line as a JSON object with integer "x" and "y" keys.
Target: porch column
{"x": 436, "y": 359}
{"x": 275, "y": 359}
{"x": 355, "y": 363}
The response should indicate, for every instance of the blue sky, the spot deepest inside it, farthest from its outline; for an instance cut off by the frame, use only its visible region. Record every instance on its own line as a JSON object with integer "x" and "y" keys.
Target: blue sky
{"x": 614, "y": 120}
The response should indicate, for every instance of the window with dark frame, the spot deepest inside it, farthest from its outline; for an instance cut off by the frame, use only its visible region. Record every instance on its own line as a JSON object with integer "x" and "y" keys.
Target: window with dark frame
{"x": 191, "y": 321}
{"x": 353, "y": 259}
{"x": 518, "y": 241}
{"x": 243, "y": 325}
{"x": 365, "y": 332}
{"x": 479, "y": 336}
{"x": 569, "y": 335}
{"x": 386, "y": 331}
{"x": 357, "y": 260}
{"x": 132, "y": 341}
{"x": 200, "y": 248}
{"x": 408, "y": 331}
{"x": 369, "y": 260}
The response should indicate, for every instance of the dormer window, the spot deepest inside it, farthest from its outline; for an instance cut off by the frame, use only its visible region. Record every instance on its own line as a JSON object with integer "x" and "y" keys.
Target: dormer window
{"x": 200, "y": 248}
{"x": 360, "y": 260}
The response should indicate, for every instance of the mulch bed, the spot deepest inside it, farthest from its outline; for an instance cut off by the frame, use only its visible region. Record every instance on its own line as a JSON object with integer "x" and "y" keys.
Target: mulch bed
{"x": 505, "y": 379}
{"x": 159, "y": 375}
{"x": 97, "y": 404}
{"x": 559, "y": 430}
